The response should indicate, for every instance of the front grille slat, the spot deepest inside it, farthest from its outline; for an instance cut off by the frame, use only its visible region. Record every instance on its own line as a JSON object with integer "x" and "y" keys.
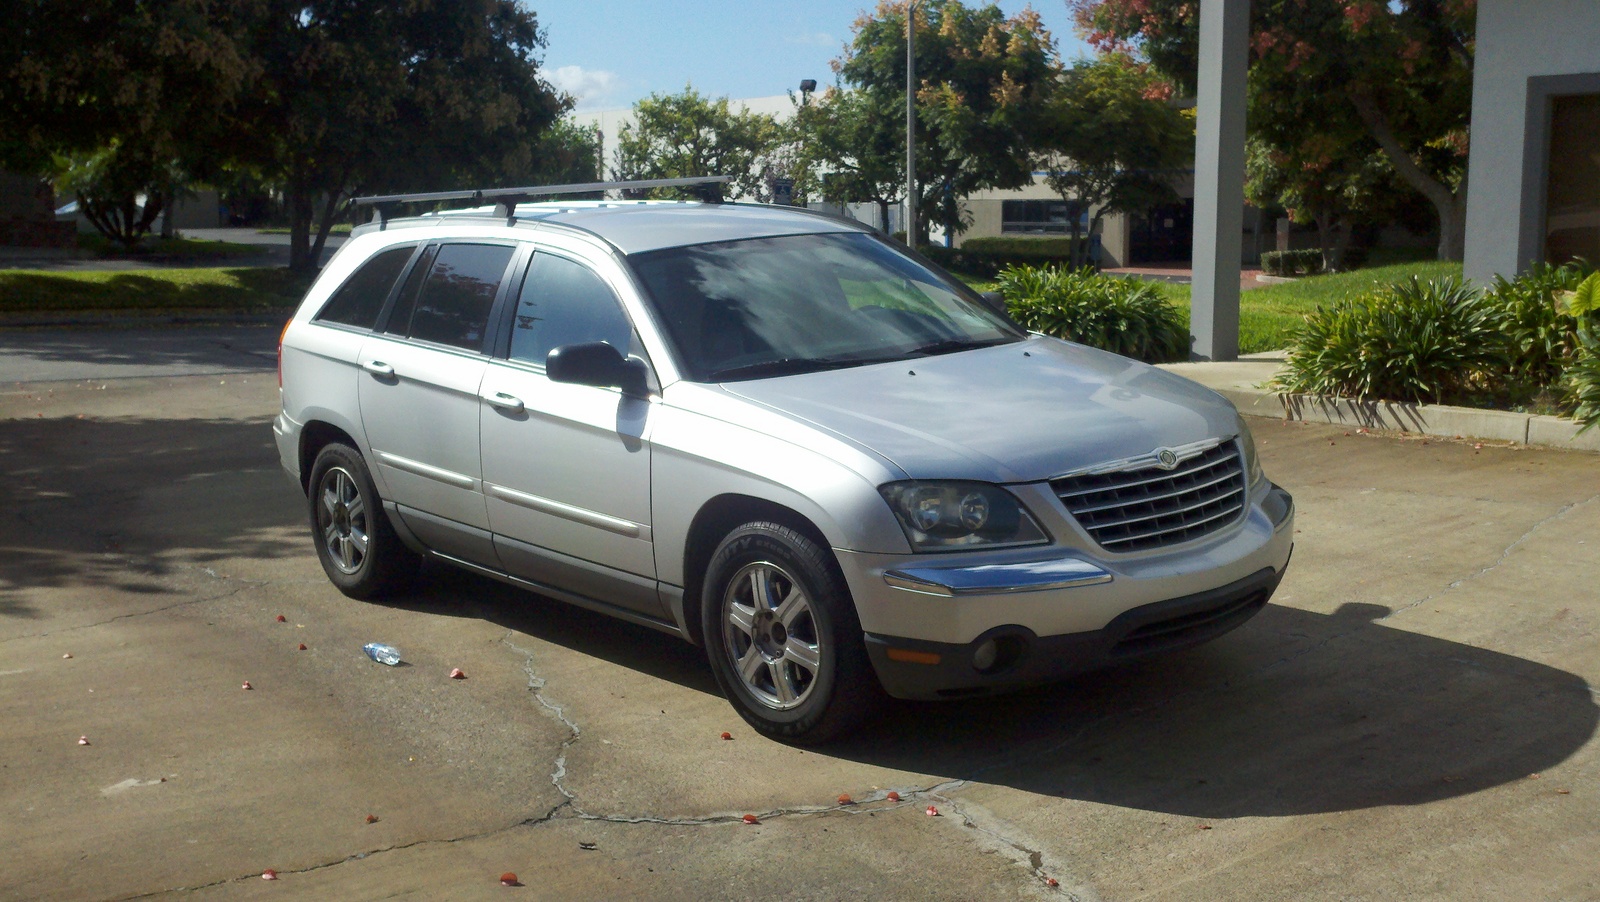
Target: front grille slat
{"x": 1142, "y": 508}
{"x": 1175, "y": 493}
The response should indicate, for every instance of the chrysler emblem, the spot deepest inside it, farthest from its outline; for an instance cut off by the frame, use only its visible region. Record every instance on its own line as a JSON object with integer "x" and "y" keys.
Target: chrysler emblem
{"x": 1166, "y": 458}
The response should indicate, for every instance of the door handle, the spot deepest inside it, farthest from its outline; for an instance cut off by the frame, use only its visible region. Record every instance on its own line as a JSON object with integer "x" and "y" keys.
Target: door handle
{"x": 504, "y": 401}
{"x": 378, "y": 368}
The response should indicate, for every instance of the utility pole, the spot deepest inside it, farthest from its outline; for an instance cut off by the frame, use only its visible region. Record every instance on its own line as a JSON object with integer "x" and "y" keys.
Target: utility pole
{"x": 911, "y": 124}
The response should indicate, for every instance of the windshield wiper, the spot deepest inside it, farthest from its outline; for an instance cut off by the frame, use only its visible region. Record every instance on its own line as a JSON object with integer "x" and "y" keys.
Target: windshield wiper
{"x": 785, "y": 366}
{"x": 951, "y": 345}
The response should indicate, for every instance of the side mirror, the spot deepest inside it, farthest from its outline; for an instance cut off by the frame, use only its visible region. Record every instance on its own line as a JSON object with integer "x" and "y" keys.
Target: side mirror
{"x": 599, "y": 364}
{"x": 996, "y": 302}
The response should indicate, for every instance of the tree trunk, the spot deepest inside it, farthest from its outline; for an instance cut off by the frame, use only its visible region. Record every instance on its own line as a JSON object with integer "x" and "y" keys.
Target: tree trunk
{"x": 329, "y": 210}
{"x": 1324, "y": 224}
{"x": 1341, "y": 244}
{"x": 1076, "y": 255}
{"x": 1450, "y": 205}
{"x": 298, "y": 196}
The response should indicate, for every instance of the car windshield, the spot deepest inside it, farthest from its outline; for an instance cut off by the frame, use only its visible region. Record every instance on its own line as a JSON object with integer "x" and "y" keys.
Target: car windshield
{"x": 774, "y": 306}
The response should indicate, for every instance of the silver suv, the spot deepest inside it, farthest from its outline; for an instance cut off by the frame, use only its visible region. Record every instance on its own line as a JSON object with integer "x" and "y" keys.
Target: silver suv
{"x": 771, "y": 433}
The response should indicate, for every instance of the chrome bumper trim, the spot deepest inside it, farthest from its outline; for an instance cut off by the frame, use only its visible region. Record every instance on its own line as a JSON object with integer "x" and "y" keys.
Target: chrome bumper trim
{"x": 997, "y": 579}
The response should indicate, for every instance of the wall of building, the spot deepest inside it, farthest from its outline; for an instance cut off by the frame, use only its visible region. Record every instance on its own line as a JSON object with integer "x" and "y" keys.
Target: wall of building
{"x": 1528, "y": 51}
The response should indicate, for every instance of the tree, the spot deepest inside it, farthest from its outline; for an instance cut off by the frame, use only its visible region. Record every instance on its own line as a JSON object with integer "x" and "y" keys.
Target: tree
{"x": 119, "y": 100}
{"x": 1401, "y": 71}
{"x": 358, "y": 97}
{"x": 688, "y": 134}
{"x": 1113, "y": 141}
{"x": 567, "y": 154}
{"x": 983, "y": 81}
{"x": 852, "y": 149}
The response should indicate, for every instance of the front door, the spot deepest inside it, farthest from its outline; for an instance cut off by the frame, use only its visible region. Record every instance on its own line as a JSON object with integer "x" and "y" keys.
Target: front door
{"x": 566, "y": 468}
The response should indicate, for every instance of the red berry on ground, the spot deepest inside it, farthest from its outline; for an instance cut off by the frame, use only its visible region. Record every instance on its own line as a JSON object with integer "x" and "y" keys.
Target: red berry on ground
{"x": 282, "y": 619}
{"x": 269, "y": 874}
{"x": 302, "y": 646}
{"x": 456, "y": 674}
{"x": 726, "y": 735}
{"x": 751, "y": 819}
{"x": 247, "y": 685}
{"x": 932, "y": 811}
{"x": 893, "y": 796}
{"x": 509, "y": 879}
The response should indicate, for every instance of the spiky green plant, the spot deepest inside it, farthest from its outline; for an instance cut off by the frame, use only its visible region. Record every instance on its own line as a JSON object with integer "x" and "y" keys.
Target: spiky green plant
{"x": 1123, "y": 315}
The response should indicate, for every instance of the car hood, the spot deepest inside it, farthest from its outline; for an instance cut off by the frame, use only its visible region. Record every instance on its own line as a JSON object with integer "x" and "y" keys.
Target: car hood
{"x": 1018, "y": 412}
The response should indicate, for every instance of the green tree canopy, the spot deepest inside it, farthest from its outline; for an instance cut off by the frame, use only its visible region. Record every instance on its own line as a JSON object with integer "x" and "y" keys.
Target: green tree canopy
{"x": 852, "y": 148}
{"x": 356, "y": 97}
{"x": 1400, "y": 72}
{"x": 1112, "y": 141}
{"x": 119, "y": 100}
{"x": 983, "y": 81}
{"x": 688, "y": 134}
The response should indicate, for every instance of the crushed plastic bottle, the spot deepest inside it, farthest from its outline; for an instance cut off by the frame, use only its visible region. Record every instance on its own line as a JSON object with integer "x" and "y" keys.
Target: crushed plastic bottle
{"x": 383, "y": 654}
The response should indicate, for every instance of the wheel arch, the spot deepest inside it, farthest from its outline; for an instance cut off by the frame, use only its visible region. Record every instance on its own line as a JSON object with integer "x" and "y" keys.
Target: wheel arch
{"x": 314, "y": 436}
{"x": 716, "y": 518}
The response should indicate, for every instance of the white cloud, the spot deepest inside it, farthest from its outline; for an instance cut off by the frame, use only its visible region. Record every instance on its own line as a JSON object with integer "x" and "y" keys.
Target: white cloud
{"x": 590, "y": 87}
{"x": 813, "y": 39}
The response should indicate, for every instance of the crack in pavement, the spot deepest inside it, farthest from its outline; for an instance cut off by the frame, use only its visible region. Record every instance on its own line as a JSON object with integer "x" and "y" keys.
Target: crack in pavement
{"x": 996, "y": 839}
{"x": 1501, "y": 559}
{"x": 244, "y": 586}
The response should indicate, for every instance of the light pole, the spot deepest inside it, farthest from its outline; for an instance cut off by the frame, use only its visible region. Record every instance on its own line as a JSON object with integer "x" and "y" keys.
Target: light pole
{"x": 911, "y": 124}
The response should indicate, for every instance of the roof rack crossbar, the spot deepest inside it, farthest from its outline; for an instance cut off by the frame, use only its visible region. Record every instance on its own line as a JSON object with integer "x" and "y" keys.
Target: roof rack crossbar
{"x": 506, "y": 199}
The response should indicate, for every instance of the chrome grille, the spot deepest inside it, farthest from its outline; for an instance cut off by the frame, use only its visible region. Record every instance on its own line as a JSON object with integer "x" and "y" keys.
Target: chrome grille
{"x": 1142, "y": 506}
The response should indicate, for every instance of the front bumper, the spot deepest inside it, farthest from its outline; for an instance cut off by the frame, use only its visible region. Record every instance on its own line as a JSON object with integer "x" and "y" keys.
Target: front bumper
{"x": 1047, "y": 615}
{"x": 909, "y": 668}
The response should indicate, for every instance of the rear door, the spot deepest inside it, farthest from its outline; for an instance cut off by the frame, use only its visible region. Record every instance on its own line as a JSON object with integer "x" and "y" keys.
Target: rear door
{"x": 419, "y": 393}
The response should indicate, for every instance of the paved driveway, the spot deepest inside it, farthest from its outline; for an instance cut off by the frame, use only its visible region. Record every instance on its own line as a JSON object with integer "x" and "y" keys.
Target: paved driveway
{"x": 1412, "y": 717}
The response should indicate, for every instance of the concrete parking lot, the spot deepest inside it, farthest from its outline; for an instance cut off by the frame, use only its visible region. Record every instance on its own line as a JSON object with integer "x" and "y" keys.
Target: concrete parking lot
{"x": 1412, "y": 717}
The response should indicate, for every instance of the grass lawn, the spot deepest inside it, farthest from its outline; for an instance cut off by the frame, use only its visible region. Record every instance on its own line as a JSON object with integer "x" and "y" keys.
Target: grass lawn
{"x": 1269, "y": 315}
{"x": 150, "y": 291}
{"x": 338, "y": 228}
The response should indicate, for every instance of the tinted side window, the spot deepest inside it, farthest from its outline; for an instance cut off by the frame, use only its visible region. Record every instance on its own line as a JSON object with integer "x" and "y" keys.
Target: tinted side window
{"x": 565, "y": 303}
{"x": 453, "y": 308}
{"x": 361, "y": 297}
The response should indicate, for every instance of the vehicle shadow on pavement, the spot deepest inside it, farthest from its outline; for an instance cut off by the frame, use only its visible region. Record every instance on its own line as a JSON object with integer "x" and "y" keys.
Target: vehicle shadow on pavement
{"x": 1295, "y": 713}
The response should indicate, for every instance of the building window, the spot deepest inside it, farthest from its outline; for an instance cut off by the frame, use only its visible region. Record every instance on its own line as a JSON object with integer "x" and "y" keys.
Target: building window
{"x": 1572, "y": 198}
{"x": 1040, "y": 217}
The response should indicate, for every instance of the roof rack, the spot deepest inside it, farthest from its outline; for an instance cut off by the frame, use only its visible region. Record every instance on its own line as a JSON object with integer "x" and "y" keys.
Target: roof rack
{"x": 506, "y": 199}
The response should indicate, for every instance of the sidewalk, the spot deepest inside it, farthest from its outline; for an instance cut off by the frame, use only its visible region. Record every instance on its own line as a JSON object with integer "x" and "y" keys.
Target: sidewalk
{"x": 276, "y": 253}
{"x": 1244, "y": 382}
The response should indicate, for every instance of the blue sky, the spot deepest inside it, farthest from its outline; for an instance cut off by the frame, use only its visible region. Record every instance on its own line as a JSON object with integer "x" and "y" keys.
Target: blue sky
{"x": 610, "y": 53}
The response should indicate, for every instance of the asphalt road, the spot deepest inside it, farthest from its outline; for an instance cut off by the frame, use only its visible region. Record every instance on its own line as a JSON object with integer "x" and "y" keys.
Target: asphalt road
{"x": 56, "y": 355}
{"x": 1412, "y": 717}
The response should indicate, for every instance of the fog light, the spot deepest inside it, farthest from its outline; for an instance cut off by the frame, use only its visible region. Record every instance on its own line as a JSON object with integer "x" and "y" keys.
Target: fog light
{"x": 983, "y": 659}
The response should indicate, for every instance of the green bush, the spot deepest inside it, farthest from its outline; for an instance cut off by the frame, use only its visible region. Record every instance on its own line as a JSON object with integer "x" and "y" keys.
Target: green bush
{"x": 1292, "y": 263}
{"x": 985, "y": 257}
{"x": 1582, "y": 376}
{"x": 1123, "y": 315}
{"x": 1411, "y": 341}
{"x": 1539, "y": 342}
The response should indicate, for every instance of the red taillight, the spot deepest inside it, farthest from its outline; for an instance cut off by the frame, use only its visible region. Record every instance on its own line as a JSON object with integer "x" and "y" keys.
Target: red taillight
{"x": 280, "y": 354}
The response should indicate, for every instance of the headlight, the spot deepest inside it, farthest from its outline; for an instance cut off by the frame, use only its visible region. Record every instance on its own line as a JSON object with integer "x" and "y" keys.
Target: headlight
{"x": 1252, "y": 463}
{"x": 943, "y": 516}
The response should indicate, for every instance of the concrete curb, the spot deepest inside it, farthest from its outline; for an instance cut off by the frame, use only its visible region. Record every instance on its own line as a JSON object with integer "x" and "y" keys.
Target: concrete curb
{"x": 1426, "y": 419}
{"x": 275, "y": 317}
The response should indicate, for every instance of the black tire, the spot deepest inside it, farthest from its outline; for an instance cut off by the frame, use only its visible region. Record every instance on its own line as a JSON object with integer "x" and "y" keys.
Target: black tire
{"x": 806, "y": 677}
{"x": 355, "y": 541}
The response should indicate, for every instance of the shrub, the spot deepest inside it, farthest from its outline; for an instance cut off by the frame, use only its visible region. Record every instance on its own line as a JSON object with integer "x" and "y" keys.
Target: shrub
{"x": 1123, "y": 315}
{"x": 1539, "y": 342}
{"x": 1411, "y": 341}
{"x": 985, "y": 257}
{"x": 1582, "y": 376}
{"x": 1292, "y": 263}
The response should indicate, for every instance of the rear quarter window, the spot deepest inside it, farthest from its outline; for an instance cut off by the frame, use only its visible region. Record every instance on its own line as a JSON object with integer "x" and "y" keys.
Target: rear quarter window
{"x": 359, "y": 300}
